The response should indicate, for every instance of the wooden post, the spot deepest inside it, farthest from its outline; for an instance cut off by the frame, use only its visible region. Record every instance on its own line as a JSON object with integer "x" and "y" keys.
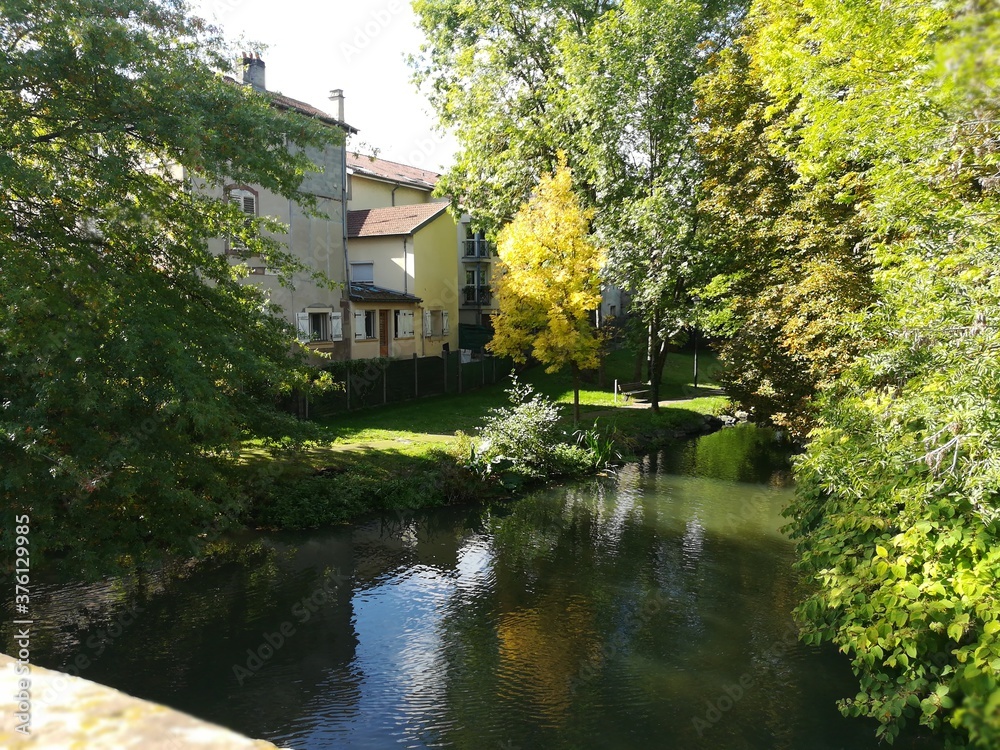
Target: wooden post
{"x": 416, "y": 391}
{"x": 616, "y": 391}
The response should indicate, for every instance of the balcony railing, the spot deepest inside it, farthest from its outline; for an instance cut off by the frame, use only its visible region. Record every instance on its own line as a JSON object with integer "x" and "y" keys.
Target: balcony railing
{"x": 478, "y": 248}
{"x": 478, "y": 295}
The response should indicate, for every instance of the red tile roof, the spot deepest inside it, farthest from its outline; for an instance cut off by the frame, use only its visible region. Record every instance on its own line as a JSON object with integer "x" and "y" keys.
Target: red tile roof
{"x": 392, "y": 171}
{"x": 382, "y": 222}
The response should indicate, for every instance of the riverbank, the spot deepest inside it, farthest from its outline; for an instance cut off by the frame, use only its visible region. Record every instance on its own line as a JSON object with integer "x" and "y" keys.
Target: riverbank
{"x": 389, "y": 465}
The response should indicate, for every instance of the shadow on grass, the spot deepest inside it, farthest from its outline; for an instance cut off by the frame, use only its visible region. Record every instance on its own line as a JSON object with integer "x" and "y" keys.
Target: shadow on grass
{"x": 332, "y": 487}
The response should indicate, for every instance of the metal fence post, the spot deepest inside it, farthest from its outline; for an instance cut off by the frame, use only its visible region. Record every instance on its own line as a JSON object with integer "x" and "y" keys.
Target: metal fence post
{"x": 416, "y": 391}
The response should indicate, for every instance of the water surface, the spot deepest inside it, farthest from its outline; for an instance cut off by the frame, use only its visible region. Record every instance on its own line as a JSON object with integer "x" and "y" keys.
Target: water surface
{"x": 646, "y": 610}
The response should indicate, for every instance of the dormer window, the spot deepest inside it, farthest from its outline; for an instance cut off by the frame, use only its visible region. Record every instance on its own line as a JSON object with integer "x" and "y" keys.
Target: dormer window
{"x": 363, "y": 273}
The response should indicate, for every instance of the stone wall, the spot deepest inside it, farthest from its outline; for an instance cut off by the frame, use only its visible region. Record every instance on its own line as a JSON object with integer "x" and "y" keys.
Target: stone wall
{"x": 71, "y": 712}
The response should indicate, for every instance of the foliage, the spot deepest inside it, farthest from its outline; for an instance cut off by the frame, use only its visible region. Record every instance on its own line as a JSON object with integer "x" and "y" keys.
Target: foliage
{"x": 610, "y": 84}
{"x": 524, "y": 442}
{"x": 493, "y": 73}
{"x": 786, "y": 250}
{"x": 630, "y": 84}
{"x": 599, "y": 446}
{"x": 547, "y": 282}
{"x": 897, "y": 507}
{"x": 132, "y": 359}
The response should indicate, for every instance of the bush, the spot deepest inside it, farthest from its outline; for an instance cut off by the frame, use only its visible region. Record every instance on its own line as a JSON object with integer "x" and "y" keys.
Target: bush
{"x": 523, "y": 442}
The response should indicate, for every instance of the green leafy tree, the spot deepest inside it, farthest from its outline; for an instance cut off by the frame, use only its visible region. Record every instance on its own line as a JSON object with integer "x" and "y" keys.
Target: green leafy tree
{"x": 493, "y": 72}
{"x": 548, "y": 282}
{"x": 132, "y": 360}
{"x": 611, "y": 84}
{"x": 896, "y": 516}
{"x": 630, "y": 84}
{"x": 791, "y": 270}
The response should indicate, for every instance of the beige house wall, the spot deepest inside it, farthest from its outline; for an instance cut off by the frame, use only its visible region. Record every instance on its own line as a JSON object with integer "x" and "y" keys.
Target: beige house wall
{"x": 317, "y": 242}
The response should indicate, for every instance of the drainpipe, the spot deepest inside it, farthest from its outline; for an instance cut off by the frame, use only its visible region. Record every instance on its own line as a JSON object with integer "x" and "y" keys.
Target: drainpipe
{"x": 406, "y": 289}
{"x": 393, "y": 195}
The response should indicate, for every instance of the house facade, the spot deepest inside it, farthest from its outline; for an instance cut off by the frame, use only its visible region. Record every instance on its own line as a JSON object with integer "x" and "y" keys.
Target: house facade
{"x": 402, "y": 267}
{"x": 318, "y": 313}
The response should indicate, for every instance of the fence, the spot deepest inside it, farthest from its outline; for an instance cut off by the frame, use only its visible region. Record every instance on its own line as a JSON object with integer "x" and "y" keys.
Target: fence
{"x": 367, "y": 383}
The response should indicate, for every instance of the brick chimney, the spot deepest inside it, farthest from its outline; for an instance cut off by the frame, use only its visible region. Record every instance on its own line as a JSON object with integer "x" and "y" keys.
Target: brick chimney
{"x": 337, "y": 97}
{"x": 253, "y": 71}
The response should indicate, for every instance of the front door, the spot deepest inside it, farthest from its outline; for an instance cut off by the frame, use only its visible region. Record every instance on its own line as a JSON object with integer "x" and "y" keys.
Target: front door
{"x": 383, "y": 333}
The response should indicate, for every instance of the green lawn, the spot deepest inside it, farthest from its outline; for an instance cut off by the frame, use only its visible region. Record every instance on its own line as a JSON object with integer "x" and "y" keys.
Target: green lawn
{"x": 444, "y": 415}
{"x": 393, "y": 457}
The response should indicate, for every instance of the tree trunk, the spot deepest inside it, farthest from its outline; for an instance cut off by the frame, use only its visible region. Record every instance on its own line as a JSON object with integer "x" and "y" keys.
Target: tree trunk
{"x": 640, "y": 355}
{"x": 656, "y": 377}
{"x": 576, "y": 395}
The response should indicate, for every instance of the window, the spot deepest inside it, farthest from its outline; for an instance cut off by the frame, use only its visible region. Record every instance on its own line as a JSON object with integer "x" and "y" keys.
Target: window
{"x": 365, "y": 324}
{"x": 404, "y": 324}
{"x": 246, "y": 200}
{"x": 363, "y": 273}
{"x": 436, "y": 323}
{"x": 612, "y": 310}
{"x": 320, "y": 325}
{"x": 476, "y": 245}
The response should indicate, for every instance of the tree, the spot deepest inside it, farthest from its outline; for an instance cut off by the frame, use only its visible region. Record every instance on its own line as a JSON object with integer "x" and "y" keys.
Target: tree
{"x": 789, "y": 268}
{"x": 494, "y": 74}
{"x": 548, "y": 283}
{"x": 610, "y": 83}
{"x": 133, "y": 361}
{"x": 630, "y": 83}
{"x": 896, "y": 514}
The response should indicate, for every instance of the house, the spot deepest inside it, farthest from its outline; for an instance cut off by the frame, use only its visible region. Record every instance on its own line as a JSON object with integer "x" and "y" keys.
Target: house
{"x": 318, "y": 313}
{"x": 403, "y": 268}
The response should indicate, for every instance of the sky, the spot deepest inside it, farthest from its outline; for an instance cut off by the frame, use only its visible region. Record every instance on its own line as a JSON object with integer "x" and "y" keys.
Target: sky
{"x": 355, "y": 45}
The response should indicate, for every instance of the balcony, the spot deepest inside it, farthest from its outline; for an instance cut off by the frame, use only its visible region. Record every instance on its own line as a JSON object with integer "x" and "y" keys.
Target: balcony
{"x": 477, "y": 248}
{"x": 480, "y": 296}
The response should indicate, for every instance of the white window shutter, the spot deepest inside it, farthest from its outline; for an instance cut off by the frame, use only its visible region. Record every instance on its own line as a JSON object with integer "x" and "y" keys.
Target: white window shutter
{"x": 409, "y": 322}
{"x": 336, "y": 326}
{"x": 445, "y": 329}
{"x": 302, "y": 324}
{"x": 359, "y": 324}
{"x": 249, "y": 204}
{"x": 427, "y": 323}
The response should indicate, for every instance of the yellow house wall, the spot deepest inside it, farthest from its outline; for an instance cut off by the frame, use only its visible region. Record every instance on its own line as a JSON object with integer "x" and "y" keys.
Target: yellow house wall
{"x": 370, "y": 348}
{"x": 387, "y": 255}
{"x": 368, "y": 193}
{"x": 435, "y": 263}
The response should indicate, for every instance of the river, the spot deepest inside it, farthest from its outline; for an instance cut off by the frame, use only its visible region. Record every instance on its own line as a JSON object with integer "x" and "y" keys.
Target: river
{"x": 645, "y": 610}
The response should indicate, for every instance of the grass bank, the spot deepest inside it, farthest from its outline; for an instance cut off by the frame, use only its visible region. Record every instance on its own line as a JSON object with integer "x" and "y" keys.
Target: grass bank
{"x": 407, "y": 456}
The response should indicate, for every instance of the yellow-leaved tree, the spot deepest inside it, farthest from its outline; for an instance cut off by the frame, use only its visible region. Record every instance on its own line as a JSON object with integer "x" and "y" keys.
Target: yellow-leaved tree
{"x": 548, "y": 282}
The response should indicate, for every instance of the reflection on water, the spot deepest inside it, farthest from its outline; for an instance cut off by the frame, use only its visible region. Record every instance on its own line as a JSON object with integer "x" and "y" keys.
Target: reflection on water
{"x": 647, "y": 610}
